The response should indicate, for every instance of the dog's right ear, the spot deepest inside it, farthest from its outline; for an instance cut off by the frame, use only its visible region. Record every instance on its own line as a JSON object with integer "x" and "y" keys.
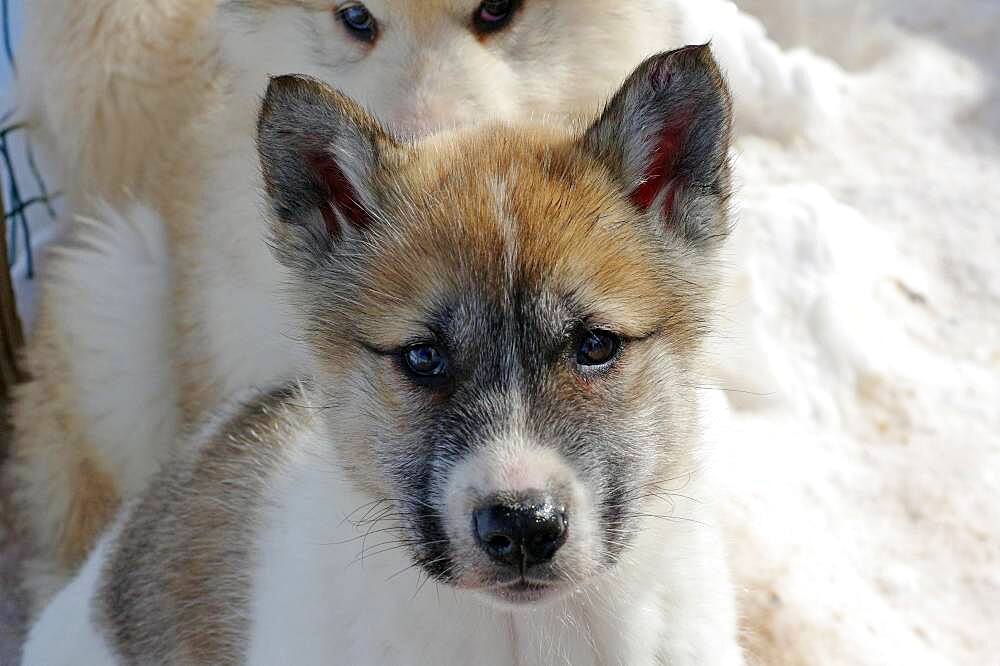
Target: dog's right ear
{"x": 319, "y": 155}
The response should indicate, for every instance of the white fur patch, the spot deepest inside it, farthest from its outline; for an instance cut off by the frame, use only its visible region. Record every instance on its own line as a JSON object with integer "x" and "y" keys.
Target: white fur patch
{"x": 110, "y": 289}
{"x": 512, "y": 464}
{"x": 65, "y": 634}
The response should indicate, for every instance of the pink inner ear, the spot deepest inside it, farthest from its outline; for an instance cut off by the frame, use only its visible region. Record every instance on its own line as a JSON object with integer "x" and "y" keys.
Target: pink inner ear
{"x": 344, "y": 198}
{"x": 661, "y": 172}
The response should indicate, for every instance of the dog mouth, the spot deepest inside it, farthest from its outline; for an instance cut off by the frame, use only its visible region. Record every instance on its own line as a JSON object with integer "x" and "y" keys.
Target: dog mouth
{"x": 523, "y": 592}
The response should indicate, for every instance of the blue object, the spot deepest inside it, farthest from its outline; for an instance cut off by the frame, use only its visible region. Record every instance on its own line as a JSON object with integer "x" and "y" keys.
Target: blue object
{"x": 29, "y": 200}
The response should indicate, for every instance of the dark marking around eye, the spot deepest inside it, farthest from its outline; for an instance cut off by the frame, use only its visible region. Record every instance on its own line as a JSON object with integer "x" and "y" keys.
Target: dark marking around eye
{"x": 426, "y": 364}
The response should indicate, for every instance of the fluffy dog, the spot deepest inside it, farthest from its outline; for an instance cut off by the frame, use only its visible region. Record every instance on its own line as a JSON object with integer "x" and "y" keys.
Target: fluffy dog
{"x": 499, "y": 329}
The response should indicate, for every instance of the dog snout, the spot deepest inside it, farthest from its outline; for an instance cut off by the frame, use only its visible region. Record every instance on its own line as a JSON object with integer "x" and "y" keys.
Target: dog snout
{"x": 521, "y": 532}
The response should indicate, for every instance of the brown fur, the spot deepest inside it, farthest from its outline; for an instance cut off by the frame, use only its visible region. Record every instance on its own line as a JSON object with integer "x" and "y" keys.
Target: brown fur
{"x": 563, "y": 231}
{"x": 94, "y": 503}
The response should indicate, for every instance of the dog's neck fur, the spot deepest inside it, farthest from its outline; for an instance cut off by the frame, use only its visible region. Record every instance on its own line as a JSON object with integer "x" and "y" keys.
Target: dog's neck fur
{"x": 388, "y": 612}
{"x": 322, "y": 578}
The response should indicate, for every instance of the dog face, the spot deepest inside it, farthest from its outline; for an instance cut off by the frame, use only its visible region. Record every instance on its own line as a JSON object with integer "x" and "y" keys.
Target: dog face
{"x": 504, "y": 319}
{"x": 439, "y": 63}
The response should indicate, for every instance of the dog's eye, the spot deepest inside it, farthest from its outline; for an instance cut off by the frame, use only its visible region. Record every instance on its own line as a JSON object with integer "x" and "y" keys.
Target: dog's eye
{"x": 494, "y": 15}
{"x": 359, "y": 22}
{"x": 598, "y": 348}
{"x": 425, "y": 361}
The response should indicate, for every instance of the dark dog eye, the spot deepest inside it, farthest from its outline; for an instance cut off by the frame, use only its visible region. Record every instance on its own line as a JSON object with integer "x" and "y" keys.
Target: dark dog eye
{"x": 494, "y": 15}
{"x": 598, "y": 348}
{"x": 359, "y": 22}
{"x": 425, "y": 361}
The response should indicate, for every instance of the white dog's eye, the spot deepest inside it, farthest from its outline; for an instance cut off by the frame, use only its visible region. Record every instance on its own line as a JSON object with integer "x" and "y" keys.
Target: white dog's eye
{"x": 359, "y": 22}
{"x": 494, "y": 15}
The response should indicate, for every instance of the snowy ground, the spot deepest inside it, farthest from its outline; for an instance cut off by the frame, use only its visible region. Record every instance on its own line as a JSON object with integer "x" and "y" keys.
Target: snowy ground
{"x": 858, "y": 419}
{"x": 860, "y": 439}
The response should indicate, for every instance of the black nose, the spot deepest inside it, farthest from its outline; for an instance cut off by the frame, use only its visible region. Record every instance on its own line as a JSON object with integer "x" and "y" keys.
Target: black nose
{"x": 521, "y": 533}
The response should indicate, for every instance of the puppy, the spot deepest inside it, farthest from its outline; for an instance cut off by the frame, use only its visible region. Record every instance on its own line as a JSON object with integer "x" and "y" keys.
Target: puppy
{"x": 493, "y": 458}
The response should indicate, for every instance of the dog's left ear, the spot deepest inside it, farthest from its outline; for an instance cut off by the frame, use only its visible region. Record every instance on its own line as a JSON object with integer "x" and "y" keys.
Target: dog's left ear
{"x": 320, "y": 155}
{"x": 665, "y": 136}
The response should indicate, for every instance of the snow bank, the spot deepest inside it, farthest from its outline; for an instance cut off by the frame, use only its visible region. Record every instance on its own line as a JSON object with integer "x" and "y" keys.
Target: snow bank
{"x": 858, "y": 358}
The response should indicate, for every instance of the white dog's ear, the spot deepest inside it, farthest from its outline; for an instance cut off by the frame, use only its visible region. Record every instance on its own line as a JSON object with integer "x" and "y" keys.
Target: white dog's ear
{"x": 665, "y": 136}
{"x": 320, "y": 154}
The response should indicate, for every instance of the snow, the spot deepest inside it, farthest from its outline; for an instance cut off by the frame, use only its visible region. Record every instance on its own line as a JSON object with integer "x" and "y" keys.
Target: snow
{"x": 858, "y": 357}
